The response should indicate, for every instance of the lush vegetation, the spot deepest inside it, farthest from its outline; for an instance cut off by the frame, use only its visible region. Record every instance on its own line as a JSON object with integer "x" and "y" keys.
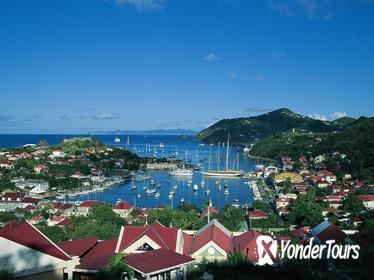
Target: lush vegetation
{"x": 251, "y": 129}
{"x": 117, "y": 269}
{"x": 101, "y": 222}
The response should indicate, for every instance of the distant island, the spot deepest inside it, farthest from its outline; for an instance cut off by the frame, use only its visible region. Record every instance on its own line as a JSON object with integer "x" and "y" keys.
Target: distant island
{"x": 188, "y": 132}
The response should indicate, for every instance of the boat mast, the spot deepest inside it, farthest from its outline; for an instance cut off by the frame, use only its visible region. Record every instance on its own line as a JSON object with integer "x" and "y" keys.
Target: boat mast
{"x": 219, "y": 144}
{"x": 227, "y": 151}
{"x": 210, "y": 149}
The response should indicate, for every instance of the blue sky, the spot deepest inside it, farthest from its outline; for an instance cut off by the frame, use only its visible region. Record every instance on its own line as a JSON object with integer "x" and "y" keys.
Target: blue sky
{"x": 87, "y": 65}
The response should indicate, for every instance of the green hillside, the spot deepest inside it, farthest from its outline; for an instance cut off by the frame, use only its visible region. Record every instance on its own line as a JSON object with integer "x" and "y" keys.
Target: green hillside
{"x": 355, "y": 141}
{"x": 252, "y": 129}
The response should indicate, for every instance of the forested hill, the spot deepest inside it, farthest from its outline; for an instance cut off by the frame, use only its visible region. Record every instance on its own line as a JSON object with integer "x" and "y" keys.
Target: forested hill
{"x": 356, "y": 141}
{"x": 252, "y": 129}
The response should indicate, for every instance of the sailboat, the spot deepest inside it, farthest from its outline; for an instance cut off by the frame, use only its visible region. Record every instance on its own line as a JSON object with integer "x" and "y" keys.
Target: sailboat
{"x": 223, "y": 173}
{"x": 117, "y": 140}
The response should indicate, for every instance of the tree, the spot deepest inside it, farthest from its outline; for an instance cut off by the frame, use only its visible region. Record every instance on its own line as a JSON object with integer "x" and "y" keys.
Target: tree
{"x": 305, "y": 211}
{"x": 353, "y": 205}
{"x": 117, "y": 269}
{"x": 103, "y": 213}
{"x": 260, "y": 205}
{"x": 5, "y": 274}
{"x": 55, "y": 233}
{"x": 231, "y": 217}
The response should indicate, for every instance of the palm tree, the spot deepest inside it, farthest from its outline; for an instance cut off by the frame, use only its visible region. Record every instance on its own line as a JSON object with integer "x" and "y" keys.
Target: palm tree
{"x": 117, "y": 269}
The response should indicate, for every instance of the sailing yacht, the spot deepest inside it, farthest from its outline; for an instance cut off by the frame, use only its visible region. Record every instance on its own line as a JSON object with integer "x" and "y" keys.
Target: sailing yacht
{"x": 117, "y": 140}
{"x": 223, "y": 173}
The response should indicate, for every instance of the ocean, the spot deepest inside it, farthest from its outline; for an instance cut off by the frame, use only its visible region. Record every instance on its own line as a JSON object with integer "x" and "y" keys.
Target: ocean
{"x": 164, "y": 146}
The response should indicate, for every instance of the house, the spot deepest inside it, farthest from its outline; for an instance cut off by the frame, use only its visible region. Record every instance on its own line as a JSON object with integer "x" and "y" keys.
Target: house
{"x": 209, "y": 210}
{"x": 29, "y": 254}
{"x": 335, "y": 204}
{"x": 319, "y": 159}
{"x": 12, "y": 197}
{"x": 367, "y": 200}
{"x": 33, "y": 183}
{"x": 78, "y": 175}
{"x": 36, "y": 220}
{"x": 283, "y": 202}
{"x": 325, "y": 211}
{"x": 78, "y": 247}
{"x": 40, "y": 168}
{"x": 65, "y": 209}
{"x": 300, "y": 233}
{"x": 57, "y": 220}
{"x": 7, "y": 164}
{"x": 138, "y": 239}
{"x": 245, "y": 243}
{"x": 292, "y": 196}
{"x": 123, "y": 208}
{"x": 85, "y": 206}
{"x": 57, "y": 154}
{"x": 257, "y": 215}
{"x": 154, "y": 264}
{"x": 212, "y": 242}
{"x": 282, "y": 211}
{"x": 328, "y": 231}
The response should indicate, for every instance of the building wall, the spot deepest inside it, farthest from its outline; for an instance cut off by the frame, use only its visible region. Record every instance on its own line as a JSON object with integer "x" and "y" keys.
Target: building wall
{"x": 23, "y": 260}
{"x": 50, "y": 275}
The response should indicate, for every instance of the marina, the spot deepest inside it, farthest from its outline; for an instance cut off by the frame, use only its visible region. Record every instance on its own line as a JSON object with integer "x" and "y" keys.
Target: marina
{"x": 152, "y": 187}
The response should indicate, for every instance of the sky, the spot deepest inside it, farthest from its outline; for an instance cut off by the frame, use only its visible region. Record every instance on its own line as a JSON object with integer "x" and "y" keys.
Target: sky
{"x": 77, "y": 66}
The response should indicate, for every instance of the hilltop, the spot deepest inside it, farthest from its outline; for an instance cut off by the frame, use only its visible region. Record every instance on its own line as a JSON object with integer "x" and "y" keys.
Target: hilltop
{"x": 252, "y": 129}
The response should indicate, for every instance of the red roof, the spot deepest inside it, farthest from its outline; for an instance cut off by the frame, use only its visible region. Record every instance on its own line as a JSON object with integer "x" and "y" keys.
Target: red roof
{"x": 212, "y": 232}
{"x": 153, "y": 261}
{"x": 187, "y": 241}
{"x": 122, "y": 205}
{"x": 328, "y": 231}
{"x": 257, "y": 214}
{"x": 29, "y": 208}
{"x": 13, "y": 196}
{"x": 27, "y": 235}
{"x": 30, "y": 200}
{"x": 204, "y": 212}
{"x": 64, "y": 222}
{"x": 246, "y": 244}
{"x": 165, "y": 237}
{"x": 79, "y": 246}
{"x": 98, "y": 256}
{"x": 88, "y": 203}
{"x": 299, "y": 232}
{"x": 366, "y": 197}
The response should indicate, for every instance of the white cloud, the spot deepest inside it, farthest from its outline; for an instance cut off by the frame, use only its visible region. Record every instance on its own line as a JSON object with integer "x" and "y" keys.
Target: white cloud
{"x": 105, "y": 116}
{"x": 282, "y": 8}
{"x": 337, "y": 115}
{"x": 318, "y": 117}
{"x": 232, "y": 75}
{"x": 211, "y": 57}
{"x": 309, "y": 6}
{"x": 142, "y": 5}
{"x": 331, "y": 117}
{"x": 277, "y": 54}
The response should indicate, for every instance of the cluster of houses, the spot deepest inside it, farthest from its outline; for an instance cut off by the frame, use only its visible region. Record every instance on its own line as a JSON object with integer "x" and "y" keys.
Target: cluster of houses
{"x": 152, "y": 251}
{"x": 319, "y": 177}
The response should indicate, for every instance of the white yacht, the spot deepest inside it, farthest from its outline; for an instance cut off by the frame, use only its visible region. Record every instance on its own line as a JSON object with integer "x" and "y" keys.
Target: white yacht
{"x": 181, "y": 172}
{"x": 117, "y": 140}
